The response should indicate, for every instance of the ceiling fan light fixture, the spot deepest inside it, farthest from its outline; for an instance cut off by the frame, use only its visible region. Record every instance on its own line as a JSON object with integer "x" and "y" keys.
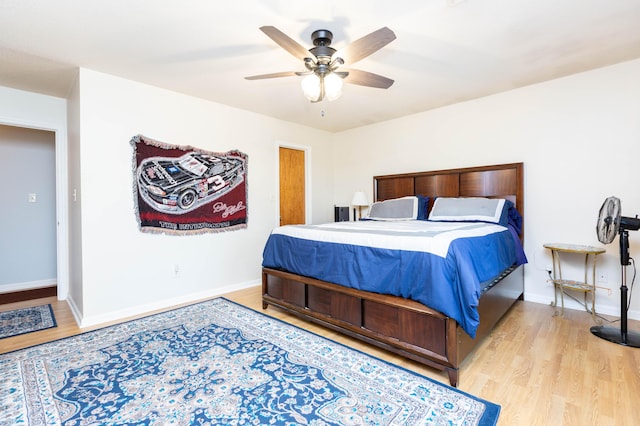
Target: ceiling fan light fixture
{"x": 332, "y": 86}
{"x": 311, "y": 87}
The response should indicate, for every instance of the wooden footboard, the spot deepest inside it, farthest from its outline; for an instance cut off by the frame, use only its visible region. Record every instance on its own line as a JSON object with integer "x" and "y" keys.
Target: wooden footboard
{"x": 402, "y": 326}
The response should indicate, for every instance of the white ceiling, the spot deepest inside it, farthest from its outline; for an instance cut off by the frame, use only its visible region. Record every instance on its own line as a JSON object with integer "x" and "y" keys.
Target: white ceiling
{"x": 446, "y": 51}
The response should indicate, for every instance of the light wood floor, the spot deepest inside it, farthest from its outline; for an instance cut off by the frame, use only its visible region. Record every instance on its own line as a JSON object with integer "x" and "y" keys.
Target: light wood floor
{"x": 542, "y": 369}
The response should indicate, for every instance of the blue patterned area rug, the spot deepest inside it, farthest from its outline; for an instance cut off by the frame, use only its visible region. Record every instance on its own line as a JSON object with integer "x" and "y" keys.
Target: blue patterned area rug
{"x": 219, "y": 363}
{"x": 26, "y": 320}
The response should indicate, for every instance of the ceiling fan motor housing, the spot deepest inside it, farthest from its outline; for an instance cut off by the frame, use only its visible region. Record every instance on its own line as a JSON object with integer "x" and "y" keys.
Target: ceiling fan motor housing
{"x": 322, "y": 50}
{"x": 322, "y": 37}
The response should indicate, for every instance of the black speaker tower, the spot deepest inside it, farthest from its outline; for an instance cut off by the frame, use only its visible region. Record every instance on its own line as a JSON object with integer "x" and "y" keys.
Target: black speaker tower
{"x": 341, "y": 214}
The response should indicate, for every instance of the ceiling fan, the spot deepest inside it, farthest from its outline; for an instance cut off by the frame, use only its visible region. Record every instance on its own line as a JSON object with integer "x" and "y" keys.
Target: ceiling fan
{"x": 322, "y": 77}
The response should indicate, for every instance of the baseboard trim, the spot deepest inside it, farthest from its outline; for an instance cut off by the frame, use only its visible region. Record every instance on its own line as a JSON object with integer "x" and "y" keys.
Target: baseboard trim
{"x": 21, "y": 296}
{"x": 117, "y": 316}
{"x": 633, "y": 314}
{"x": 28, "y": 285}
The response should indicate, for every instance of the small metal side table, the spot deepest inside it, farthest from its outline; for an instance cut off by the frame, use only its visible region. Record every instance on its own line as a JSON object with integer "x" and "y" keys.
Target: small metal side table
{"x": 562, "y": 285}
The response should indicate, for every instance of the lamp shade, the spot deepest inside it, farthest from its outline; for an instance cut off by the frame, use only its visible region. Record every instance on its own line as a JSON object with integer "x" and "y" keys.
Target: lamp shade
{"x": 332, "y": 86}
{"x": 359, "y": 199}
{"x": 311, "y": 87}
{"x": 316, "y": 86}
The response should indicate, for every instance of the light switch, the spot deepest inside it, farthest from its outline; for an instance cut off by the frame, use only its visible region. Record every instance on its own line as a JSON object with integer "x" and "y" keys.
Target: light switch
{"x": 32, "y": 198}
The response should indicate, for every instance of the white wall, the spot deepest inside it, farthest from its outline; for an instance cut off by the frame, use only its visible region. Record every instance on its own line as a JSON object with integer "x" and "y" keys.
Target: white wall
{"x": 127, "y": 272}
{"x": 72, "y": 202}
{"x": 579, "y": 139}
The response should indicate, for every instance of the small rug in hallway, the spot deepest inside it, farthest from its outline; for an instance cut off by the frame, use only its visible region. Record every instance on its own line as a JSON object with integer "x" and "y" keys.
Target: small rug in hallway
{"x": 26, "y": 320}
{"x": 220, "y": 363}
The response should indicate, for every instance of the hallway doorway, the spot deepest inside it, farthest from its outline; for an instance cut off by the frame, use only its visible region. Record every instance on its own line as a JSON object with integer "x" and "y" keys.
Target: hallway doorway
{"x": 28, "y": 247}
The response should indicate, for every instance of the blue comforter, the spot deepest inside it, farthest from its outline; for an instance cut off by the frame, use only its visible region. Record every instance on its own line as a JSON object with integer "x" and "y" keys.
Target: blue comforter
{"x": 440, "y": 265}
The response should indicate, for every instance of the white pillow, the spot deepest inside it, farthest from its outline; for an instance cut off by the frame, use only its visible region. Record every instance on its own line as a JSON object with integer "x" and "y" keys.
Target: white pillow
{"x": 405, "y": 208}
{"x": 469, "y": 209}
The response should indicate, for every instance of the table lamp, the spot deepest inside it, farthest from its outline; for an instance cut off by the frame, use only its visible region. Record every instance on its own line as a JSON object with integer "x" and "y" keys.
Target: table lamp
{"x": 359, "y": 200}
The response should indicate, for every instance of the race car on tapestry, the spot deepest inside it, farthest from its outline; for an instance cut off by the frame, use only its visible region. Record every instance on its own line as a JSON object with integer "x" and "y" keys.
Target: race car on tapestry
{"x": 179, "y": 185}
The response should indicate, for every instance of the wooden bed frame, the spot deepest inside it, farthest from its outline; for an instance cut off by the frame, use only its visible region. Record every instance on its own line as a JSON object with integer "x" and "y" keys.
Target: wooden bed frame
{"x": 399, "y": 325}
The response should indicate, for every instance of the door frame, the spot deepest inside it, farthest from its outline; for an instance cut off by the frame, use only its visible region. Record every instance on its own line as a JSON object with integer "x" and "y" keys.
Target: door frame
{"x": 62, "y": 210}
{"x": 307, "y": 179}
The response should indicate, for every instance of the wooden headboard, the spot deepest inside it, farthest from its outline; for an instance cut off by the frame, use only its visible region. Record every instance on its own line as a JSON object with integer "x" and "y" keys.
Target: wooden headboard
{"x": 499, "y": 181}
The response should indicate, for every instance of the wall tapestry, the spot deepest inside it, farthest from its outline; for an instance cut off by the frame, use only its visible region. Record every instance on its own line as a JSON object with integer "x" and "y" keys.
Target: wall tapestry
{"x": 185, "y": 190}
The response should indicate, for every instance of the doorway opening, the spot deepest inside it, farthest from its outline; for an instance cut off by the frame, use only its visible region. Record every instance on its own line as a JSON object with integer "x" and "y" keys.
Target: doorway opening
{"x": 41, "y": 199}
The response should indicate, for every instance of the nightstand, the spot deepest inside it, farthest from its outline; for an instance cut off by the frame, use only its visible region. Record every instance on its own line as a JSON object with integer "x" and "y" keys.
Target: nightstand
{"x": 562, "y": 285}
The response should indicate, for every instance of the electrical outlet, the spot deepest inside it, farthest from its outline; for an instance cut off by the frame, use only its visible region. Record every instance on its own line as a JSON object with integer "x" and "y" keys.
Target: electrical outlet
{"x": 603, "y": 277}
{"x": 549, "y": 277}
{"x": 32, "y": 198}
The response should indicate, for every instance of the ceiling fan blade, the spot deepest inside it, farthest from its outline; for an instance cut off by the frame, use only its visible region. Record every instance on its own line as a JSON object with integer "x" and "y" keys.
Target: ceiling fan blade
{"x": 286, "y": 42}
{"x": 272, "y": 75}
{"x": 366, "y": 45}
{"x": 364, "y": 78}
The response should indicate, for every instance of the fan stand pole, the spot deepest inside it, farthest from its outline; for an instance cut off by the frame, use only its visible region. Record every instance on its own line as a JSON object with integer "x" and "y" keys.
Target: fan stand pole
{"x": 622, "y": 336}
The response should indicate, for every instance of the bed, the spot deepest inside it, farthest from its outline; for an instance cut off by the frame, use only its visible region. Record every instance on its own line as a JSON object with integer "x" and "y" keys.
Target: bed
{"x": 403, "y": 325}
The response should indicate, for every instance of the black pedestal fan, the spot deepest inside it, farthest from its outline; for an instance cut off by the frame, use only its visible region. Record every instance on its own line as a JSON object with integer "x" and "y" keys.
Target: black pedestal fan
{"x": 610, "y": 223}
